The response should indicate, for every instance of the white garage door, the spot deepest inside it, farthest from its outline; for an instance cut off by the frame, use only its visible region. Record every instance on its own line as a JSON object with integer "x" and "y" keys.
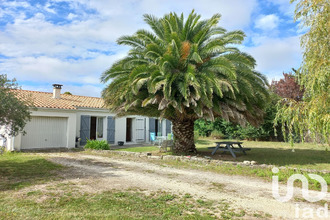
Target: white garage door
{"x": 45, "y": 132}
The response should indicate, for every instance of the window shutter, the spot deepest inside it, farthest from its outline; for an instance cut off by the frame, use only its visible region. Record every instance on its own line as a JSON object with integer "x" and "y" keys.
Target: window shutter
{"x": 111, "y": 130}
{"x": 85, "y": 126}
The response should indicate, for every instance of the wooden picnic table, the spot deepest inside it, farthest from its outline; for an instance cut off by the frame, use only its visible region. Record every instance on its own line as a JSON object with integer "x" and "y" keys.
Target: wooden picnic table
{"x": 229, "y": 146}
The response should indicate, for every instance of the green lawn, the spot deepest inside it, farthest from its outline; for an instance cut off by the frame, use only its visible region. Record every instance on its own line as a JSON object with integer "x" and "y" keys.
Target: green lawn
{"x": 307, "y": 155}
{"x": 18, "y": 170}
{"x": 111, "y": 205}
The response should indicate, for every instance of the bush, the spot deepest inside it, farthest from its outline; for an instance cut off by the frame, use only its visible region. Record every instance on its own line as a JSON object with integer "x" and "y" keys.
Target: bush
{"x": 217, "y": 134}
{"x": 250, "y": 133}
{"x": 227, "y": 130}
{"x": 97, "y": 145}
{"x": 203, "y": 127}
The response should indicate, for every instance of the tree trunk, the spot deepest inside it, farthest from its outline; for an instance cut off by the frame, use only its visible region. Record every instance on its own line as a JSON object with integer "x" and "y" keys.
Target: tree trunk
{"x": 184, "y": 136}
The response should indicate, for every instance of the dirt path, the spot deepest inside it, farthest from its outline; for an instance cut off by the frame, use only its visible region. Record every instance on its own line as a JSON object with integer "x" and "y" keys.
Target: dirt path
{"x": 102, "y": 173}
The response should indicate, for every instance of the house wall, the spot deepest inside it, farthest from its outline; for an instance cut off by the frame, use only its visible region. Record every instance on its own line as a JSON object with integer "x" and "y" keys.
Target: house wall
{"x": 73, "y": 126}
{"x": 121, "y": 129}
{"x": 120, "y": 124}
{"x": 5, "y": 140}
{"x": 93, "y": 113}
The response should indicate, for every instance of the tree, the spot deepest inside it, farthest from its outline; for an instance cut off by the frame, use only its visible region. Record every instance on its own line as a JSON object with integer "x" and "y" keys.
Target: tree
{"x": 184, "y": 70}
{"x": 14, "y": 113}
{"x": 312, "y": 115}
{"x": 288, "y": 87}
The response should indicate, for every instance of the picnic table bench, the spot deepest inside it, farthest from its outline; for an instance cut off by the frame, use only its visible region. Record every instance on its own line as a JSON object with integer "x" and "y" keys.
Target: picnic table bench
{"x": 229, "y": 146}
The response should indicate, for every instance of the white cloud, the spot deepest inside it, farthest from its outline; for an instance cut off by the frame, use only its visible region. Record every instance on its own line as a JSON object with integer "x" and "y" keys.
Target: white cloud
{"x": 53, "y": 70}
{"x": 83, "y": 90}
{"x": 284, "y": 6}
{"x": 37, "y": 36}
{"x": 15, "y": 4}
{"x": 267, "y": 22}
{"x": 275, "y": 55}
{"x": 38, "y": 49}
{"x": 236, "y": 14}
{"x": 72, "y": 16}
{"x": 49, "y": 9}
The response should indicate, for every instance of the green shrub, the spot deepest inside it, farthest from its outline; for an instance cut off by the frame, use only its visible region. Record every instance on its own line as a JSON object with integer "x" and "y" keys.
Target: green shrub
{"x": 217, "y": 134}
{"x": 97, "y": 145}
{"x": 203, "y": 127}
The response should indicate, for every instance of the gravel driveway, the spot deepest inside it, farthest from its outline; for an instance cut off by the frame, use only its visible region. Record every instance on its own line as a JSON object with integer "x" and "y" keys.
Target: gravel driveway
{"x": 98, "y": 173}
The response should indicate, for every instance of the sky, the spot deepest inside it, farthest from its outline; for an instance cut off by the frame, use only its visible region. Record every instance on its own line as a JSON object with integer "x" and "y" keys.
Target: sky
{"x": 72, "y": 42}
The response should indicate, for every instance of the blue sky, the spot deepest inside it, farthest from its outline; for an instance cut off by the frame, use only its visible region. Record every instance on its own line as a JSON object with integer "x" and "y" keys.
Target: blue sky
{"x": 72, "y": 42}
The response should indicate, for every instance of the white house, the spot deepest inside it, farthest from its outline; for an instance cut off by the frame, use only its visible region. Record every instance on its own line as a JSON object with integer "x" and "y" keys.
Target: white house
{"x": 60, "y": 119}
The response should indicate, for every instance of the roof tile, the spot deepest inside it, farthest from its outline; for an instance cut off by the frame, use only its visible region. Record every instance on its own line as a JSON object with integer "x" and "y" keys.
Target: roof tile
{"x": 46, "y": 100}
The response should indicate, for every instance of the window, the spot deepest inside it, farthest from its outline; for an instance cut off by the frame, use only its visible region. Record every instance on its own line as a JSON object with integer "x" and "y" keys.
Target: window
{"x": 99, "y": 127}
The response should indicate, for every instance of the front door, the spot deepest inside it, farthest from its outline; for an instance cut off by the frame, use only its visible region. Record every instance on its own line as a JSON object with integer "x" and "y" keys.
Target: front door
{"x": 92, "y": 133}
{"x": 128, "y": 129}
{"x": 96, "y": 128}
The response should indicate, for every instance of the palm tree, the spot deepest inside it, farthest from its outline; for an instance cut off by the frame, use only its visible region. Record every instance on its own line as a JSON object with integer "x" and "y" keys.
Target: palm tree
{"x": 183, "y": 70}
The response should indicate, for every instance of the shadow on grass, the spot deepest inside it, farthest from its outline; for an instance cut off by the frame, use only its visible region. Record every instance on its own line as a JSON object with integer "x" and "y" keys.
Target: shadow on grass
{"x": 204, "y": 142}
{"x": 279, "y": 157}
{"x": 20, "y": 171}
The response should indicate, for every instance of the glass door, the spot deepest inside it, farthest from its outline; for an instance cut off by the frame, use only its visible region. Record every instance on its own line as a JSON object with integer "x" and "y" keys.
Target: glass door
{"x": 99, "y": 128}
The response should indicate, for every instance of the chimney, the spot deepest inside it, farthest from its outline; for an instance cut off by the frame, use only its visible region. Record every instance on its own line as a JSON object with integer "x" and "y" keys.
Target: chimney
{"x": 57, "y": 91}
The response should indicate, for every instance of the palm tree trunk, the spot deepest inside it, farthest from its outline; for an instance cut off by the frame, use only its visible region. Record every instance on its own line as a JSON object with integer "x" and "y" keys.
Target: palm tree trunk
{"x": 184, "y": 136}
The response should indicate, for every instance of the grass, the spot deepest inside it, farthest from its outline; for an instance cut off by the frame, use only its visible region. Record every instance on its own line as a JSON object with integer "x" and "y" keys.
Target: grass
{"x": 218, "y": 186}
{"x": 307, "y": 155}
{"x": 112, "y": 205}
{"x": 139, "y": 149}
{"x": 18, "y": 170}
